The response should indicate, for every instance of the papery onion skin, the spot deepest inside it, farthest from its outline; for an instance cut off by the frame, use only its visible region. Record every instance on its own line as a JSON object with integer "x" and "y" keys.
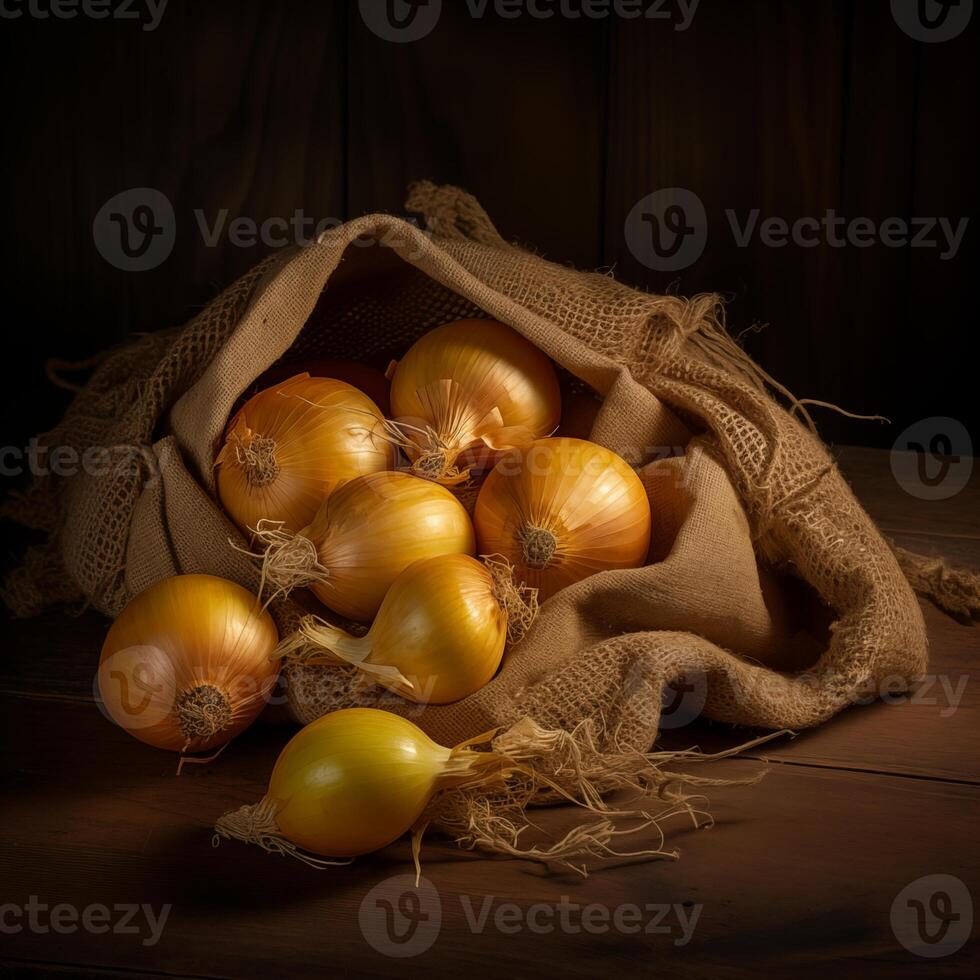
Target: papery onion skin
{"x": 187, "y": 665}
{"x": 438, "y": 637}
{"x": 504, "y": 392}
{"x": 354, "y": 780}
{"x": 561, "y": 511}
{"x": 362, "y": 376}
{"x": 371, "y": 529}
{"x": 291, "y": 445}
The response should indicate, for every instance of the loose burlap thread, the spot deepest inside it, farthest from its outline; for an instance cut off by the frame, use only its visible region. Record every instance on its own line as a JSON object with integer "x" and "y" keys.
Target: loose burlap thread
{"x": 746, "y": 499}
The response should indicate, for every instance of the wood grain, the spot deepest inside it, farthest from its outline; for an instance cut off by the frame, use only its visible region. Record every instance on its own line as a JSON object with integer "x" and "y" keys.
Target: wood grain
{"x": 897, "y": 510}
{"x": 511, "y": 110}
{"x": 96, "y": 817}
{"x": 768, "y": 138}
{"x": 226, "y": 108}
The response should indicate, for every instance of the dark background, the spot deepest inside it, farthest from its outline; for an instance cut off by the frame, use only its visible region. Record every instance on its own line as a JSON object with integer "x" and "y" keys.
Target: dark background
{"x": 559, "y": 126}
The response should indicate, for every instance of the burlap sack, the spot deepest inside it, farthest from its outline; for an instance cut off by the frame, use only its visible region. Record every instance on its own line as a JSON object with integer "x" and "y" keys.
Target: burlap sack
{"x": 747, "y": 504}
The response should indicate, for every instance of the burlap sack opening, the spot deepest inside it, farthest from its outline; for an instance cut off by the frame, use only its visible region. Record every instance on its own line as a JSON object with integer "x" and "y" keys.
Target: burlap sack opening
{"x": 754, "y": 496}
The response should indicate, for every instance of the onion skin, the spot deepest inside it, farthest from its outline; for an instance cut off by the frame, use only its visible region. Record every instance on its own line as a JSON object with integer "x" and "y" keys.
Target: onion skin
{"x": 288, "y": 447}
{"x": 478, "y": 387}
{"x": 371, "y": 529}
{"x": 438, "y": 637}
{"x": 361, "y": 376}
{"x": 354, "y": 781}
{"x": 187, "y": 665}
{"x": 563, "y": 510}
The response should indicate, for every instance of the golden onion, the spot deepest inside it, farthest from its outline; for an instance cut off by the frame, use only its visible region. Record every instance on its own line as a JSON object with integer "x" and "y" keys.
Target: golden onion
{"x": 352, "y": 782}
{"x": 364, "y": 535}
{"x": 290, "y": 445}
{"x": 439, "y": 634}
{"x": 188, "y": 664}
{"x": 467, "y": 390}
{"x": 561, "y": 511}
{"x": 355, "y": 780}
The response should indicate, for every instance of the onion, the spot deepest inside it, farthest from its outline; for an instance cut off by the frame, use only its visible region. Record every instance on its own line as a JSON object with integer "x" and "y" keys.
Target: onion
{"x": 468, "y": 387}
{"x": 364, "y": 535}
{"x": 352, "y": 782}
{"x": 355, "y": 780}
{"x": 562, "y": 511}
{"x": 439, "y": 634}
{"x": 289, "y": 446}
{"x": 361, "y": 376}
{"x": 188, "y": 663}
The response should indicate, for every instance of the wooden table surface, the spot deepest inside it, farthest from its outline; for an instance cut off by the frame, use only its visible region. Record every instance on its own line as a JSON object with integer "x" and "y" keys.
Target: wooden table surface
{"x": 800, "y": 874}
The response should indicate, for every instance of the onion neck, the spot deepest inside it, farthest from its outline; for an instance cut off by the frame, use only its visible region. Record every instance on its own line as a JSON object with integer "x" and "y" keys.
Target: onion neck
{"x": 318, "y": 642}
{"x": 433, "y": 464}
{"x": 255, "y": 454}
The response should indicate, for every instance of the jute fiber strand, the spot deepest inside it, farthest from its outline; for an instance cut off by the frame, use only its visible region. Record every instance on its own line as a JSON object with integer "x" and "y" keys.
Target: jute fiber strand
{"x": 747, "y": 505}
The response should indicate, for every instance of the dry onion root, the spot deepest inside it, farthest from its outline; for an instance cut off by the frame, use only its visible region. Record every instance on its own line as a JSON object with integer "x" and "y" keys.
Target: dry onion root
{"x": 439, "y": 634}
{"x": 358, "y": 779}
{"x": 189, "y": 663}
{"x": 289, "y": 446}
{"x": 562, "y": 511}
{"x": 466, "y": 391}
{"x": 363, "y": 536}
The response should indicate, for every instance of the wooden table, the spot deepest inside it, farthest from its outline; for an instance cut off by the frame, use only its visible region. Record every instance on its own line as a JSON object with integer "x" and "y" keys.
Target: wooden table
{"x": 799, "y": 874}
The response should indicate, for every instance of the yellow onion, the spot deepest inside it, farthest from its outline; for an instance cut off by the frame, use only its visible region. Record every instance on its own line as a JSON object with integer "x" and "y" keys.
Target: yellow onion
{"x": 364, "y": 535}
{"x": 439, "y": 634}
{"x": 466, "y": 390}
{"x": 561, "y": 511}
{"x": 352, "y": 782}
{"x": 289, "y": 446}
{"x": 188, "y": 664}
{"x": 356, "y": 780}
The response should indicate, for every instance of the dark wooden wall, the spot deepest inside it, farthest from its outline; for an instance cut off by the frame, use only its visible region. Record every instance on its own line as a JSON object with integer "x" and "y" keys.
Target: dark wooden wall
{"x": 559, "y": 126}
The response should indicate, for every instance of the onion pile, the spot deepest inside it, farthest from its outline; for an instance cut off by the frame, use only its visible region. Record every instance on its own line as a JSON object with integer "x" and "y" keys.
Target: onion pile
{"x": 363, "y": 536}
{"x": 363, "y": 511}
